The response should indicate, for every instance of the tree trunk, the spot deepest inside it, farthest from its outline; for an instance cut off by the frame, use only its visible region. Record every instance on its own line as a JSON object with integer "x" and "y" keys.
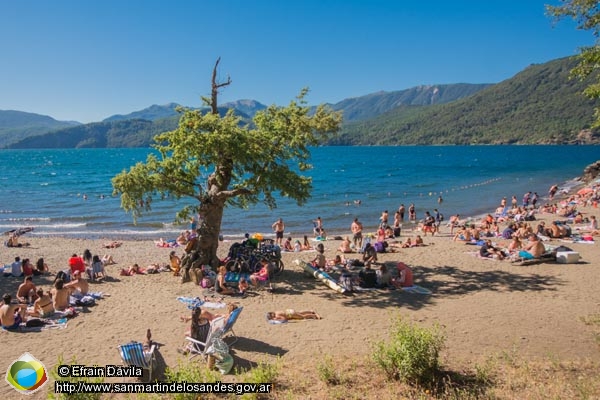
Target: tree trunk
{"x": 208, "y": 232}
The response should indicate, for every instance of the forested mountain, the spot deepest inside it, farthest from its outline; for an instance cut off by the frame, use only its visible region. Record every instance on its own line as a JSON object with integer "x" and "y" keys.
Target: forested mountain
{"x": 375, "y": 104}
{"x": 117, "y": 133}
{"x": 16, "y": 125}
{"x": 128, "y": 133}
{"x": 538, "y": 105}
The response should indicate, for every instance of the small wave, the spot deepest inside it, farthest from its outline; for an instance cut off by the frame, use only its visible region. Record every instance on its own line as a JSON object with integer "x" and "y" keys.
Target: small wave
{"x": 26, "y": 219}
{"x": 62, "y": 226}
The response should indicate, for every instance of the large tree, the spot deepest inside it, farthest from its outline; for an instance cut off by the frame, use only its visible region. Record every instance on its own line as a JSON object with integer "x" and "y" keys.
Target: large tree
{"x": 586, "y": 14}
{"x": 219, "y": 161}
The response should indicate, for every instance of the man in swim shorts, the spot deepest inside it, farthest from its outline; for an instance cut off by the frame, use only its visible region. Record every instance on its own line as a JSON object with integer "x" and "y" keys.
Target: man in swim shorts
{"x": 356, "y": 228}
{"x": 11, "y": 315}
{"x": 534, "y": 248}
{"x": 279, "y": 227}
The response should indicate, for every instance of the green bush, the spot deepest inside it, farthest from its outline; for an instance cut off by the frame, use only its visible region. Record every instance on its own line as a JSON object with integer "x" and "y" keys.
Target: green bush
{"x": 262, "y": 373}
{"x": 412, "y": 353}
{"x": 328, "y": 372}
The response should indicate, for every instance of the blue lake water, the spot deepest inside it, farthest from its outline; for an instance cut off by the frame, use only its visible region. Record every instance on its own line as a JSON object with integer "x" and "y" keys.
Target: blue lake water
{"x": 46, "y": 188}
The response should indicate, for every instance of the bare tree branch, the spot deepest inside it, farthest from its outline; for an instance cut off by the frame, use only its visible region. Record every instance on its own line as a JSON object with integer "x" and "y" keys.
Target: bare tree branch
{"x": 215, "y": 88}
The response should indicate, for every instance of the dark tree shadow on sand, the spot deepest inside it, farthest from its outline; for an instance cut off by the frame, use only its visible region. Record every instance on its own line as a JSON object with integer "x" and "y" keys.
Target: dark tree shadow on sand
{"x": 444, "y": 281}
{"x": 254, "y": 346}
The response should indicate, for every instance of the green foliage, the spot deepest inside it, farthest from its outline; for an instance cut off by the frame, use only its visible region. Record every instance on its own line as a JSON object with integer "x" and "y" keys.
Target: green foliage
{"x": 216, "y": 160}
{"x": 586, "y": 13}
{"x": 74, "y": 396}
{"x": 412, "y": 353}
{"x": 328, "y": 372}
{"x": 262, "y": 373}
{"x": 191, "y": 372}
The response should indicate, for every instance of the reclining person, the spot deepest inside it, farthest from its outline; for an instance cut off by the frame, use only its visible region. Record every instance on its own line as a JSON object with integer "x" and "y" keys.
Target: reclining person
{"x": 291, "y": 314}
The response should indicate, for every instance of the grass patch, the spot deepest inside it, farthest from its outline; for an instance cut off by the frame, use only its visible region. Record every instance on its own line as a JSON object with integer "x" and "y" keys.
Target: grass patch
{"x": 328, "y": 373}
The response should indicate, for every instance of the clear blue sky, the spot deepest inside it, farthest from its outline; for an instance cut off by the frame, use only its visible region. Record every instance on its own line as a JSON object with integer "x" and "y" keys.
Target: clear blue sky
{"x": 85, "y": 60}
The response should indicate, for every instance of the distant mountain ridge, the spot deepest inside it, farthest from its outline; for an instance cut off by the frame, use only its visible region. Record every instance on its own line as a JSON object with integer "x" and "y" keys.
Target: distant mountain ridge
{"x": 374, "y": 104}
{"x": 16, "y": 125}
{"x": 538, "y": 105}
{"x": 151, "y": 113}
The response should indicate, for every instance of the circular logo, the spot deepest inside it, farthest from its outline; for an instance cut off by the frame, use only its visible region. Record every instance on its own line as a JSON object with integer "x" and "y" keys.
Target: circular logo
{"x": 26, "y": 374}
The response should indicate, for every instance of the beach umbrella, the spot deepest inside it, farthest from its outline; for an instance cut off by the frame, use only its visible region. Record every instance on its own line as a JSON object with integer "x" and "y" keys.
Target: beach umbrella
{"x": 584, "y": 191}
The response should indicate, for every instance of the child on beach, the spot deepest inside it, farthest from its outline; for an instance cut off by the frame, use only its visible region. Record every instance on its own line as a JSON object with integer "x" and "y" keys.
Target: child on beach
{"x": 320, "y": 261}
{"x": 242, "y": 286}
{"x": 305, "y": 244}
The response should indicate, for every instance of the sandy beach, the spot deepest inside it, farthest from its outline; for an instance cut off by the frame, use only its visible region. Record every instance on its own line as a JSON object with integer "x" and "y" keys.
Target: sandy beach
{"x": 484, "y": 307}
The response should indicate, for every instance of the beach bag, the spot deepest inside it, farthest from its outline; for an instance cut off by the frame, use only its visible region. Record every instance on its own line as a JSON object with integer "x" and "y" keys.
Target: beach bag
{"x": 346, "y": 282}
{"x": 220, "y": 351}
{"x": 206, "y": 282}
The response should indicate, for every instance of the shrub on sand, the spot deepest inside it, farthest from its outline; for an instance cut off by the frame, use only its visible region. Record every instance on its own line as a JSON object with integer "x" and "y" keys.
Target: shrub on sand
{"x": 412, "y": 353}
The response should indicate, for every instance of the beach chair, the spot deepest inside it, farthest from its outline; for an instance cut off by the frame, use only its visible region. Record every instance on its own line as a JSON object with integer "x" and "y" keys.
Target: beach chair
{"x": 196, "y": 347}
{"x": 228, "y": 328}
{"x": 133, "y": 354}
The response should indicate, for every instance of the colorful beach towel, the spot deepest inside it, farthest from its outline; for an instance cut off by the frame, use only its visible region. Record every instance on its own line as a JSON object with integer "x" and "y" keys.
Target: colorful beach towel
{"x": 274, "y": 321}
{"x": 195, "y": 302}
{"x": 236, "y": 276}
{"x": 49, "y": 323}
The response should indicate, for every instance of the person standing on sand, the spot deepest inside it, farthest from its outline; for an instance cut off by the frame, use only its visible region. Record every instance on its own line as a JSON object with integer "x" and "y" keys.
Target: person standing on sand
{"x": 552, "y": 191}
{"x": 397, "y": 224}
{"x": 318, "y": 227}
{"x": 356, "y": 228}
{"x": 278, "y": 227}
{"x": 383, "y": 220}
{"x": 402, "y": 210}
{"x": 412, "y": 213}
{"x": 514, "y": 202}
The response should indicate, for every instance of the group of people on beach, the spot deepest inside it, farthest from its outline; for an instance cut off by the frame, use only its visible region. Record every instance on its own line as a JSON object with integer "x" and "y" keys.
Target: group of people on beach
{"x": 525, "y": 240}
{"x": 32, "y": 301}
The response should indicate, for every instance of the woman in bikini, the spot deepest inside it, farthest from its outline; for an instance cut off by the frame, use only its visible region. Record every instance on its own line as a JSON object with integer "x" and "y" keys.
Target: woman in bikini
{"x": 175, "y": 263}
{"x": 43, "y": 306}
{"x": 290, "y": 314}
